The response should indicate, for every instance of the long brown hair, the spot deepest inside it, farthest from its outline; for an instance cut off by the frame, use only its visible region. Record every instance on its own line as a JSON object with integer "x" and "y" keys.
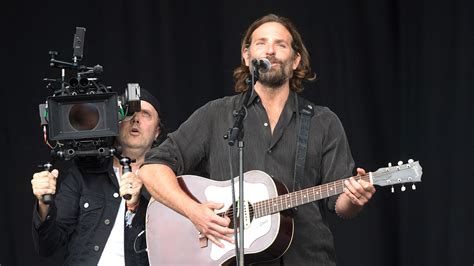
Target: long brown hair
{"x": 302, "y": 72}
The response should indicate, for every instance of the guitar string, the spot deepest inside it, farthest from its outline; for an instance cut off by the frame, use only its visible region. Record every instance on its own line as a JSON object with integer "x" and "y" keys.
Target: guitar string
{"x": 293, "y": 197}
{"x": 290, "y": 197}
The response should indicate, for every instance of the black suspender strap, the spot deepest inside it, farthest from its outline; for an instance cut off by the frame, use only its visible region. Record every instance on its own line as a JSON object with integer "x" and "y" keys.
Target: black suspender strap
{"x": 303, "y": 122}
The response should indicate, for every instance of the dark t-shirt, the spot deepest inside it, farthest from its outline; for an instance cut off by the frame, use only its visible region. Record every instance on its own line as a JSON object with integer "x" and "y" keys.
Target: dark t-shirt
{"x": 198, "y": 147}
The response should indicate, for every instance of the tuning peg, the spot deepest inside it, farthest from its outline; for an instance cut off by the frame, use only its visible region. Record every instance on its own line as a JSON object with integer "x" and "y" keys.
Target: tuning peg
{"x": 413, "y": 187}
{"x": 389, "y": 164}
{"x": 392, "y": 189}
{"x": 403, "y": 188}
{"x": 400, "y": 163}
{"x": 411, "y": 161}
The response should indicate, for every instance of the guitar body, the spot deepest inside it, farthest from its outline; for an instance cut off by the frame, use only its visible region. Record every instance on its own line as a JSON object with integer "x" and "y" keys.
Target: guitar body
{"x": 173, "y": 240}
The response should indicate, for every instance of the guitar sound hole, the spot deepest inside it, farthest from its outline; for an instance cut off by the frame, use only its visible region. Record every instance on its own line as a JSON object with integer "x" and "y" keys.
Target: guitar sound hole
{"x": 230, "y": 213}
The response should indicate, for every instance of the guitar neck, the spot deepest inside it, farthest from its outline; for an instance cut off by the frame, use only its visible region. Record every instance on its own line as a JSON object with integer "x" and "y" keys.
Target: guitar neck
{"x": 301, "y": 197}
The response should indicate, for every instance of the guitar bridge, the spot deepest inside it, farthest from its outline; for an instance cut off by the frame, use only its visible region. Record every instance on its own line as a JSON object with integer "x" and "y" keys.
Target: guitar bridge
{"x": 246, "y": 212}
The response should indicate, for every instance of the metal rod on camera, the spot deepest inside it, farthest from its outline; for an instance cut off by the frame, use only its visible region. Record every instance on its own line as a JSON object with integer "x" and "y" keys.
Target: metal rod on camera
{"x": 126, "y": 168}
{"x": 47, "y": 198}
{"x": 63, "y": 77}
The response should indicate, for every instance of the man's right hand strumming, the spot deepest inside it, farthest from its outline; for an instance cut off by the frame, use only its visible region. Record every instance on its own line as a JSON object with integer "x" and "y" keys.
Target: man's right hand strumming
{"x": 209, "y": 224}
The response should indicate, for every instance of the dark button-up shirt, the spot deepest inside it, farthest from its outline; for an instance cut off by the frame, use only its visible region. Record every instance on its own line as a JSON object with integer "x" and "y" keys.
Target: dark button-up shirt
{"x": 198, "y": 147}
{"x": 82, "y": 216}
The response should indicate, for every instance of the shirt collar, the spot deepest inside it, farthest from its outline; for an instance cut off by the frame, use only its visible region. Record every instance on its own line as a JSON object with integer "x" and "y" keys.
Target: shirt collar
{"x": 290, "y": 102}
{"x": 253, "y": 98}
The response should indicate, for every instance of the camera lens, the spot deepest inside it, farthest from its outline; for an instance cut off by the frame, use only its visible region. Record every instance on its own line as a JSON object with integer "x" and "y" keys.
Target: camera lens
{"x": 84, "y": 116}
{"x": 73, "y": 83}
{"x": 84, "y": 82}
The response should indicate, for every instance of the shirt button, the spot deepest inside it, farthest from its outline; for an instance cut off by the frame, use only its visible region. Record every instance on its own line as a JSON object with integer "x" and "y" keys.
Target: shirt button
{"x": 265, "y": 124}
{"x": 96, "y": 248}
{"x": 107, "y": 222}
{"x": 86, "y": 205}
{"x": 269, "y": 151}
{"x": 116, "y": 195}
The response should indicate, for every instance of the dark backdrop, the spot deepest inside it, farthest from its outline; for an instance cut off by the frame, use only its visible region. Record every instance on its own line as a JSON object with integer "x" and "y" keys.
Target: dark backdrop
{"x": 398, "y": 73}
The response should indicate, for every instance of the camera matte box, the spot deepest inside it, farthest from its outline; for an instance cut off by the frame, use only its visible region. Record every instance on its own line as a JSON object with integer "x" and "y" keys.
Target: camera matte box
{"x": 62, "y": 108}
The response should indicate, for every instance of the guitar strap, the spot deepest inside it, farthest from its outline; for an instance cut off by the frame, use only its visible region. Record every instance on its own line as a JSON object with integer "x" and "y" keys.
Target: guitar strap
{"x": 303, "y": 123}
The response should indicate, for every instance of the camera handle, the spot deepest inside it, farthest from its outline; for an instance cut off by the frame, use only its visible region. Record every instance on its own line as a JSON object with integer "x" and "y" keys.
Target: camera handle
{"x": 47, "y": 198}
{"x": 126, "y": 168}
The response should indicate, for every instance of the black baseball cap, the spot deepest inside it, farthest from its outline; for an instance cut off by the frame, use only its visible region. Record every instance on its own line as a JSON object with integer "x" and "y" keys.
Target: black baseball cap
{"x": 148, "y": 97}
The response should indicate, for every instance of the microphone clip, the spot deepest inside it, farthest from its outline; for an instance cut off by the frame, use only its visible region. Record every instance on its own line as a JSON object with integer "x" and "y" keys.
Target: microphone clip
{"x": 262, "y": 65}
{"x": 259, "y": 66}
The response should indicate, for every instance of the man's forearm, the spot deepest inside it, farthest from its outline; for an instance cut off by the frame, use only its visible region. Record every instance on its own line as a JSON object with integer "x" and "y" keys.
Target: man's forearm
{"x": 43, "y": 210}
{"x": 163, "y": 186}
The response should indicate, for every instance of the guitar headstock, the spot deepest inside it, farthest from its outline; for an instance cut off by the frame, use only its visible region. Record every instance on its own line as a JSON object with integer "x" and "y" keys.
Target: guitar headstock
{"x": 402, "y": 173}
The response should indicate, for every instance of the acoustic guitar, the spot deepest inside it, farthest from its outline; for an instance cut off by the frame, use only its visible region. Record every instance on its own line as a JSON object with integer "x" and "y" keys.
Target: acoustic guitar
{"x": 173, "y": 240}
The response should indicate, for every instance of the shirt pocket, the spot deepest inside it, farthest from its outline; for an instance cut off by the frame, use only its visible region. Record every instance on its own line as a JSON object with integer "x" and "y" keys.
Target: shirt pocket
{"x": 91, "y": 207}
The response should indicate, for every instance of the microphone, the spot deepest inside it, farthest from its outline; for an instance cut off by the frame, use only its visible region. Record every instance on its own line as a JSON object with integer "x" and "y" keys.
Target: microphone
{"x": 263, "y": 65}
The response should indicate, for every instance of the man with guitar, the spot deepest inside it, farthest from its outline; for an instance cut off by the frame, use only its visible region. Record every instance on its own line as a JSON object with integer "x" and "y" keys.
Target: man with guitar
{"x": 272, "y": 132}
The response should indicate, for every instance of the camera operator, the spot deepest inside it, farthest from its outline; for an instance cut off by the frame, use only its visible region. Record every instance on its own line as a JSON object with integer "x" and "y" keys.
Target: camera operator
{"x": 88, "y": 213}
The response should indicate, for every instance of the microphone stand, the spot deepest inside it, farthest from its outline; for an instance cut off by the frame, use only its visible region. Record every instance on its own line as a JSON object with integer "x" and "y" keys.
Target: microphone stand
{"x": 236, "y": 133}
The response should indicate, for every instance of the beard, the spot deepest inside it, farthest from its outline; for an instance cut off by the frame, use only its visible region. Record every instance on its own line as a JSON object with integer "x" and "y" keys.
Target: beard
{"x": 278, "y": 74}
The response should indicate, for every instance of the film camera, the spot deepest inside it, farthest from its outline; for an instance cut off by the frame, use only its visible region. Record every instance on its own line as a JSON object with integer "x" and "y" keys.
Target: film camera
{"x": 82, "y": 116}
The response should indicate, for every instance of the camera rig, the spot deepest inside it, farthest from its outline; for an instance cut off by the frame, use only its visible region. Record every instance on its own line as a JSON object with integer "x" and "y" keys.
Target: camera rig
{"x": 82, "y": 115}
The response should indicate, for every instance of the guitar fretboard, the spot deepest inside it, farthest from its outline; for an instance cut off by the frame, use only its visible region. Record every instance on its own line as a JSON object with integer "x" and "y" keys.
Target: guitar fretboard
{"x": 297, "y": 198}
